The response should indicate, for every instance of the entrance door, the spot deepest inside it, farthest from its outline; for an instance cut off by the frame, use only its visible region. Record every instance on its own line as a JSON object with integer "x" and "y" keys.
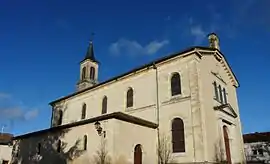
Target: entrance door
{"x": 138, "y": 154}
{"x": 227, "y": 144}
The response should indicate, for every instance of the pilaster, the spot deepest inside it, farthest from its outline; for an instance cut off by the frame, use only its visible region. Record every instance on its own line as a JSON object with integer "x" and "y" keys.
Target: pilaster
{"x": 196, "y": 115}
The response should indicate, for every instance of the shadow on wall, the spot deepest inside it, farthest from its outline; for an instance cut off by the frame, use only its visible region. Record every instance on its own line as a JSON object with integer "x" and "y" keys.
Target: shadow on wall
{"x": 45, "y": 148}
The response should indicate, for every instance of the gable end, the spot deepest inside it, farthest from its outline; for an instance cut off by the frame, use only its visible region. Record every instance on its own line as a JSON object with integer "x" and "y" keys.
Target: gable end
{"x": 221, "y": 58}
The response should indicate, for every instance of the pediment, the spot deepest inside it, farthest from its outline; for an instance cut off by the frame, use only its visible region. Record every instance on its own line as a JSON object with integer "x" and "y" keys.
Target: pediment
{"x": 227, "y": 68}
{"x": 218, "y": 76}
{"x": 227, "y": 109}
{"x": 222, "y": 60}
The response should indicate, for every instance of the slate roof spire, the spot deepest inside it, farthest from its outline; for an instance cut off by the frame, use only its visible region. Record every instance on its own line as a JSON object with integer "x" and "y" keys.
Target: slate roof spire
{"x": 90, "y": 52}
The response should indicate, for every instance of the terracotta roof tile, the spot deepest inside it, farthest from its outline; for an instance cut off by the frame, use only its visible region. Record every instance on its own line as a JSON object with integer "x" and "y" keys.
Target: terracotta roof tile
{"x": 256, "y": 137}
{"x": 5, "y": 138}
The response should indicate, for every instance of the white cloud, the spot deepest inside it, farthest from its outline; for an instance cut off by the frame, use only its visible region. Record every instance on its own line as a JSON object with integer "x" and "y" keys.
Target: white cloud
{"x": 130, "y": 47}
{"x": 251, "y": 13}
{"x": 11, "y": 113}
{"x": 190, "y": 20}
{"x": 198, "y": 33}
{"x": 31, "y": 114}
{"x": 14, "y": 110}
{"x": 114, "y": 48}
{"x": 154, "y": 46}
{"x": 4, "y": 95}
{"x": 17, "y": 113}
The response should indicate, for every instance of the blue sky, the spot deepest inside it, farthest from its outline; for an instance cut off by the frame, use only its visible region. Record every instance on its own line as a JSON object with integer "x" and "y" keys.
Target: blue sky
{"x": 42, "y": 42}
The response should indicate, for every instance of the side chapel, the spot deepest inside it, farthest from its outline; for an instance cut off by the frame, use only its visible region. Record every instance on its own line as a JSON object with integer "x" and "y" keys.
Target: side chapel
{"x": 184, "y": 103}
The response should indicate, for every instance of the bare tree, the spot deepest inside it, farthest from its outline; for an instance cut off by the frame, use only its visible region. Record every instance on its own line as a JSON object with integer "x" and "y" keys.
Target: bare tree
{"x": 164, "y": 149}
{"x": 102, "y": 156}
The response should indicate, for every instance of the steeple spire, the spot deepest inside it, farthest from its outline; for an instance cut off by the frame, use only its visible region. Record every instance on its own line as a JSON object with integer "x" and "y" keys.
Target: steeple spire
{"x": 90, "y": 51}
{"x": 88, "y": 69}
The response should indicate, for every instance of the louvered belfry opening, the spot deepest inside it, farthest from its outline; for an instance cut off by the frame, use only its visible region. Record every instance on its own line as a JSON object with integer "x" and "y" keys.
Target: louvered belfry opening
{"x": 92, "y": 73}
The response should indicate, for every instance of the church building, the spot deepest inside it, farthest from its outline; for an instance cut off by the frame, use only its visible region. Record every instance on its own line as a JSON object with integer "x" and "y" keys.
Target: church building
{"x": 181, "y": 108}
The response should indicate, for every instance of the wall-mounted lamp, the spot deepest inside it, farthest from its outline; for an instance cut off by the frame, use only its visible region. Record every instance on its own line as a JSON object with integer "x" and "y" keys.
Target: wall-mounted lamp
{"x": 99, "y": 129}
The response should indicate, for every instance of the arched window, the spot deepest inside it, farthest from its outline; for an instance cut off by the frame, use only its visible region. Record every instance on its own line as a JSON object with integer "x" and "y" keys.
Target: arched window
{"x": 104, "y": 105}
{"x": 178, "y": 135}
{"x": 129, "y": 97}
{"x": 216, "y": 90}
{"x": 38, "y": 148}
{"x": 224, "y": 95}
{"x": 84, "y": 142}
{"x": 60, "y": 117}
{"x": 138, "y": 154}
{"x": 175, "y": 84}
{"x": 83, "y": 73}
{"x": 220, "y": 94}
{"x": 83, "y": 111}
{"x": 92, "y": 73}
{"x": 59, "y": 144}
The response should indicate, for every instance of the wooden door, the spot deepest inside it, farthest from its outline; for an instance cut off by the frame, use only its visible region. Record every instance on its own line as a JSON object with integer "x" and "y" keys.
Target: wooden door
{"x": 138, "y": 154}
{"x": 227, "y": 144}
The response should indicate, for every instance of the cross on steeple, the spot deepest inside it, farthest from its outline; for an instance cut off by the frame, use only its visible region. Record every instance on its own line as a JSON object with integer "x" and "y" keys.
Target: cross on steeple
{"x": 92, "y": 37}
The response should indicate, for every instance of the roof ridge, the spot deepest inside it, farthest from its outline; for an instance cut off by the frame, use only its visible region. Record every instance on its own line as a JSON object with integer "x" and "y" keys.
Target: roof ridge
{"x": 164, "y": 58}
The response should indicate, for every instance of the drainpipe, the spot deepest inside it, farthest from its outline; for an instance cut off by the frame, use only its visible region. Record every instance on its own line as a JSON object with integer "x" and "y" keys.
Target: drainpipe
{"x": 157, "y": 108}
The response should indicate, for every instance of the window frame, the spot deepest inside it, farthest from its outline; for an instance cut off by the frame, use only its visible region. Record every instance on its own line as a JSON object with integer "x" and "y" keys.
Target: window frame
{"x": 39, "y": 148}
{"x": 60, "y": 118}
{"x": 83, "y": 114}
{"x": 85, "y": 142}
{"x": 130, "y": 98}
{"x": 104, "y": 108}
{"x": 176, "y": 87}
{"x": 220, "y": 94}
{"x": 260, "y": 151}
{"x": 225, "y": 98}
{"x": 216, "y": 93}
{"x": 178, "y": 135}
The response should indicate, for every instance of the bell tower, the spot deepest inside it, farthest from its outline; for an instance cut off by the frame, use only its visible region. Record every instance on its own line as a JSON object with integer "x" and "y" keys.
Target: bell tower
{"x": 88, "y": 69}
{"x": 213, "y": 41}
